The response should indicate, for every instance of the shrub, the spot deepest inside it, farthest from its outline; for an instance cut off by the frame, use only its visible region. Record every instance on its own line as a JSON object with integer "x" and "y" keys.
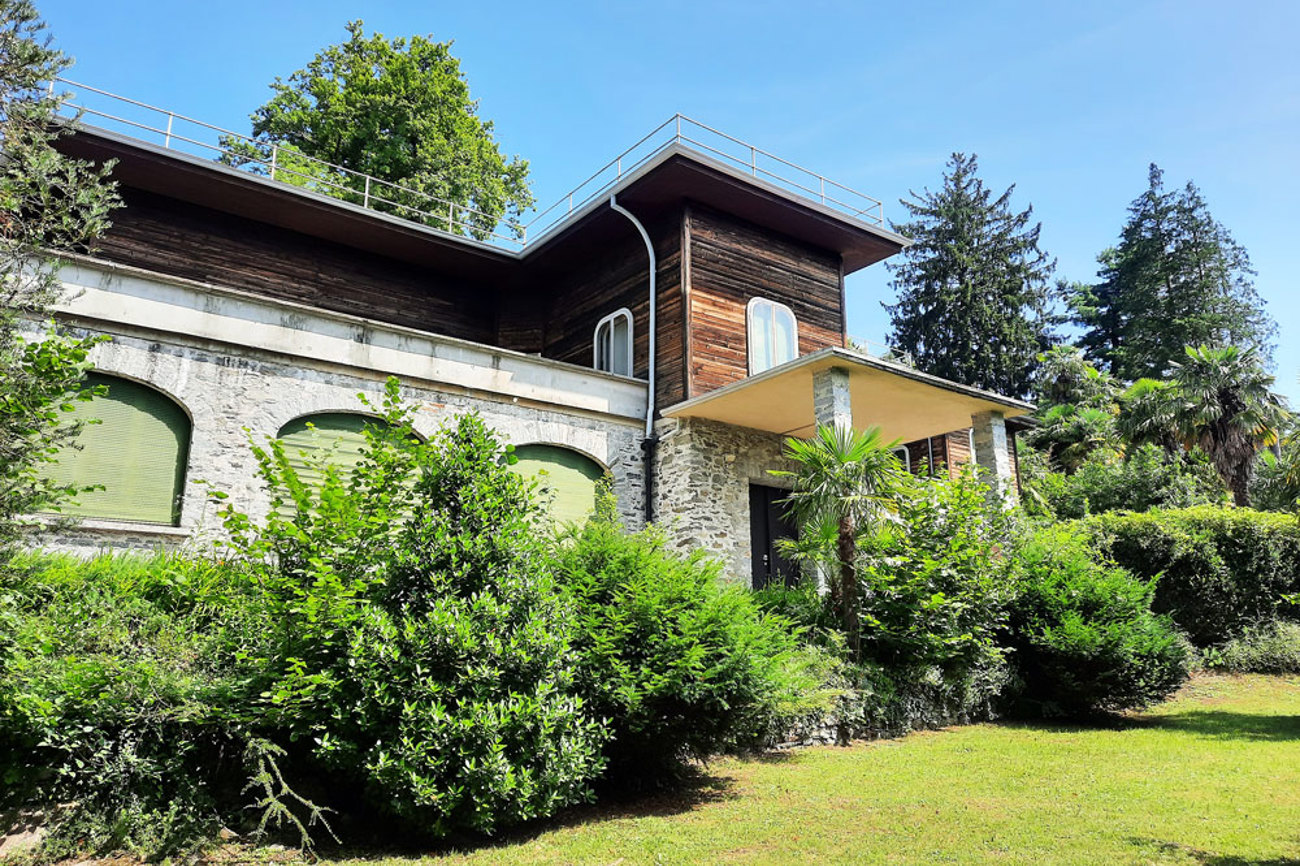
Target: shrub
{"x": 935, "y": 595}
{"x": 128, "y": 686}
{"x": 1084, "y": 636}
{"x": 1106, "y": 481}
{"x": 1270, "y": 648}
{"x": 422, "y": 656}
{"x": 680, "y": 666}
{"x": 1220, "y": 569}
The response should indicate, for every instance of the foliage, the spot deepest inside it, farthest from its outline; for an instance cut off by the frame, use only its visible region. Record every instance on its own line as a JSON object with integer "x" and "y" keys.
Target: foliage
{"x": 845, "y": 482}
{"x": 1145, "y": 478}
{"x": 398, "y": 110}
{"x": 1177, "y": 278}
{"x": 1267, "y": 648}
{"x": 48, "y": 203}
{"x": 128, "y": 686}
{"x": 1219, "y": 570}
{"x": 1276, "y": 482}
{"x": 421, "y": 648}
{"x": 680, "y": 666}
{"x": 1076, "y": 408}
{"x": 1083, "y": 633}
{"x": 973, "y": 293}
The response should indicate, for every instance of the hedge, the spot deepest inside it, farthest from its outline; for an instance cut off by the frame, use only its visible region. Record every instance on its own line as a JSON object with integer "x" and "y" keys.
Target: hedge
{"x": 1221, "y": 570}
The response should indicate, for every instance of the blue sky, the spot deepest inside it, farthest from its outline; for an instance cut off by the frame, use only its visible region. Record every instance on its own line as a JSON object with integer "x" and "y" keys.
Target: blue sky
{"x": 1069, "y": 101}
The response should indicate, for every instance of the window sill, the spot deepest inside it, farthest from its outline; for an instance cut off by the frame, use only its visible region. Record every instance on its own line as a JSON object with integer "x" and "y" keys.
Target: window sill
{"x": 113, "y": 527}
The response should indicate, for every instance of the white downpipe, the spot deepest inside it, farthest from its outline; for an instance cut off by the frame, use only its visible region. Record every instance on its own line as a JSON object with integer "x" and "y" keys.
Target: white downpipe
{"x": 650, "y": 250}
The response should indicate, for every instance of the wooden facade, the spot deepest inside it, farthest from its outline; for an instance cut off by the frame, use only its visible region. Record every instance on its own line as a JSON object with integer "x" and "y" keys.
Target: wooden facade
{"x": 169, "y": 236}
{"x": 729, "y": 262}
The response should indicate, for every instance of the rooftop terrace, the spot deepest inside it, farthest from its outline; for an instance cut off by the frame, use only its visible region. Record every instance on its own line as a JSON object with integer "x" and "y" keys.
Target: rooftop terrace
{"x": 267, "y": 160}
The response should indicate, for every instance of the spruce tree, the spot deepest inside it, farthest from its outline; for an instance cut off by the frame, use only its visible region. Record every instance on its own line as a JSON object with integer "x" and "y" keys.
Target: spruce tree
{"x": 1177, "y": 278}
{"x": 973, "y": 292}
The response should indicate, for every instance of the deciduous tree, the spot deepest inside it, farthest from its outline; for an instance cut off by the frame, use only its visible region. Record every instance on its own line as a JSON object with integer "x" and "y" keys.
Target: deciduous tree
{"x": 48, "y": 203}
{"x": 399, "y": 110}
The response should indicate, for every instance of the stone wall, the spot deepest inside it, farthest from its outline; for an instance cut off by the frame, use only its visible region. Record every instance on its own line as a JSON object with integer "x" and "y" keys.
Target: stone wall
{"x": 233, "y": 393}
{"x": 702, "y": 477}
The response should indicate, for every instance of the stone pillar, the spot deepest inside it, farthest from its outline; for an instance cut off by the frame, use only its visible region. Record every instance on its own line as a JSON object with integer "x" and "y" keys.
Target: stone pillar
{"x": 993, "y": 453}
{"x": 832, "y": 406}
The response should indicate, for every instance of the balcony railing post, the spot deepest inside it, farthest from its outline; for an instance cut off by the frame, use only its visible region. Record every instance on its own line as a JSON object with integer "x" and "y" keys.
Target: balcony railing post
{"x": 753, "y": 160}
{"x": 275, "y": 154}
{"x": 167, "y": 139}
{"x": 823, "y": 180}
{"x": 365, "y": 196}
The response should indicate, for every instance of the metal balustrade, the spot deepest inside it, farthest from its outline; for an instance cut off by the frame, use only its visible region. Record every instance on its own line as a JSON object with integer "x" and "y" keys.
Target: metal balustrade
{"x": 286, "y": 164}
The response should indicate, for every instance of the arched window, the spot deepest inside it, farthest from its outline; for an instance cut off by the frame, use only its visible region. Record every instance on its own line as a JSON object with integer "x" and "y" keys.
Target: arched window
{"x": 565, "y": 479}
{"x": 904, "y": 457}
{"x": 613, "y": 344}
{"x": 138, "y": 452}
{"x": 338, "y": 433}
{"x": 773, "y": 335}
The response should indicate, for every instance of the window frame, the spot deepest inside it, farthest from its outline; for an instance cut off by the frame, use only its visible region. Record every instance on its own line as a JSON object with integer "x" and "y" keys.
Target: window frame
{"x": 752, "y": 344}
{"x": 608, "y": 321}
{"x": 906, "y": 458}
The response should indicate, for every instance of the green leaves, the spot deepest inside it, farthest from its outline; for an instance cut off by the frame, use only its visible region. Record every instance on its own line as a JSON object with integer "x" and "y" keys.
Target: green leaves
{"x": 399, "y": 110}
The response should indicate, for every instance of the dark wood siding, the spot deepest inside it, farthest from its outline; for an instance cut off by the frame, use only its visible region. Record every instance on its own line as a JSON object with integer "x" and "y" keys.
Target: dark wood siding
{"x": 730, "y": 262}
{"x": 171, "y": 237}
{"x": 615, "y": 277}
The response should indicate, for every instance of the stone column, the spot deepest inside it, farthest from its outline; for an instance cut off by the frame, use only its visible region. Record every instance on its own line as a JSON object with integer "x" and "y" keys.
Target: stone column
{"x": 832, "y": 406}
{"x": 993, "y": 454}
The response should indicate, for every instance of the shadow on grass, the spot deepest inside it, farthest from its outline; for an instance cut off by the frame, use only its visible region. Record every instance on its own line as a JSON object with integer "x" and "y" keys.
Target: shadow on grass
{"x": 1213, "y": 724}
{"x": 1221, "y": 725}
{"x": 1209, "y": 858}
{"x": 698, "y": 788}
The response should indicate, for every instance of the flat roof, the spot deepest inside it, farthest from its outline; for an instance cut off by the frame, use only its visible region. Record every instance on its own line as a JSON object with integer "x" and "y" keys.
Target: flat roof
{"x": 905, "y": 403}
{"x": 675, "y": 174}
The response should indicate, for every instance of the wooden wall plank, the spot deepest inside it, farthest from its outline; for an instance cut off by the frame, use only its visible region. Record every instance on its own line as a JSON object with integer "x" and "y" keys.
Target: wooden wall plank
{"x": 184, "y": 240}
{"x": 730, "y": 262}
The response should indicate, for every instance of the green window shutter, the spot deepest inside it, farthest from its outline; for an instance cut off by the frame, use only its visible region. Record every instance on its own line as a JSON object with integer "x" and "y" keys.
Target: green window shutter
{"x": 566, "y": 479}
{"x": 138, "y": 452}
{"x": 339, "y": 433}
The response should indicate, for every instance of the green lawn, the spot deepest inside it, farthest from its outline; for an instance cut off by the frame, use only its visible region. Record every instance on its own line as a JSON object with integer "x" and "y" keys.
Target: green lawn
{"x": 1210, "y": 777}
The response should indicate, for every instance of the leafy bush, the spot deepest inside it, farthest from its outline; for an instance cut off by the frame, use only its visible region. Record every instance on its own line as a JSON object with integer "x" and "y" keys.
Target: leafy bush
{"x": 128, "y": 686}
{"x": 1084, "y": 636}
{"x": 422, "y": 655}
{"x": 681, "y": 666}
{"x": 1106, "y": 481}
{"x": 1270, "y": 648}
{"x": 1220, "y": 569}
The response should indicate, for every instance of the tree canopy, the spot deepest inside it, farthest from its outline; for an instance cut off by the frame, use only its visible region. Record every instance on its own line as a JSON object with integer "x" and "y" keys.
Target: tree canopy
{"x": 973, "y": 292}
{"x": 1177, "y": 278}
{"x": 48, "y": 204}
{"x": 399, "y": 110}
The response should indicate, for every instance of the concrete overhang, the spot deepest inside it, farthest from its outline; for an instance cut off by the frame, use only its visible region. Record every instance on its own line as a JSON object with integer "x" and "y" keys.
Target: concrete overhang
{"x": 905, "y": 403}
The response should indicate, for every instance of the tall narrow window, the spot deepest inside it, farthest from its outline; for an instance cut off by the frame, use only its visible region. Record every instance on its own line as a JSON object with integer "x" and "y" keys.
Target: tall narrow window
{"x": 904, "y": 458}
{"x": 613, "y": 349}
{"x": 773, "y": 335}
{"x": 136, "y": 454}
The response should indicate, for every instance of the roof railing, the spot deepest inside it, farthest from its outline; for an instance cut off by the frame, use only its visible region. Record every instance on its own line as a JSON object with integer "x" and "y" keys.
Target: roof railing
{"x": 289, "y": 165}
{"x": 883, "y": 351}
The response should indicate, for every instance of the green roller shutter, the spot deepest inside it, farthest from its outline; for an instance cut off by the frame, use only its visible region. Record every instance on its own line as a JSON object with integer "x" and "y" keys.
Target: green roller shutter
{"x": 138, "y": 453}
{"x": 339, "y": 433}
{"x": 566, "y": 479}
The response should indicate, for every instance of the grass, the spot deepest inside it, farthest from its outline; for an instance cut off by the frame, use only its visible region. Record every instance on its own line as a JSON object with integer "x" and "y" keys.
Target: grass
{"x": 1212, "y": 777}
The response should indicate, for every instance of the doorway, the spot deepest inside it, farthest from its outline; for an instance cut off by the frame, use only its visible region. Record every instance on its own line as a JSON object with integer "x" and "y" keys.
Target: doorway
{"x": 769, "y": 524}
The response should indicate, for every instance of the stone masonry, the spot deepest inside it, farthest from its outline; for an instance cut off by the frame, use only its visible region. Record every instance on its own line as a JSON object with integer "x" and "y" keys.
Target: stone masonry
{"x": 702, "y": 477}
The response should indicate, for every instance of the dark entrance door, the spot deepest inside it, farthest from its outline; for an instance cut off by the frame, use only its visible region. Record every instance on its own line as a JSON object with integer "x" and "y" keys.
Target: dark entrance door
{"x": 768, "y": 524}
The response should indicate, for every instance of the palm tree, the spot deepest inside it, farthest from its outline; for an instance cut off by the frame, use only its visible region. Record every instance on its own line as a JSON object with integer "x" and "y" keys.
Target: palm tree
{"x": 1148, "y": 415}
{"x": 843, "y": 486}
{"x": 1220, "y": 400}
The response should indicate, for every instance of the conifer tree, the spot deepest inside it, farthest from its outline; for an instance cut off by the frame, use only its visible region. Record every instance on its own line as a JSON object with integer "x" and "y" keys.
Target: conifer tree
{"x": 973, "y": 292}
{"x": 1177, "y": 278}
